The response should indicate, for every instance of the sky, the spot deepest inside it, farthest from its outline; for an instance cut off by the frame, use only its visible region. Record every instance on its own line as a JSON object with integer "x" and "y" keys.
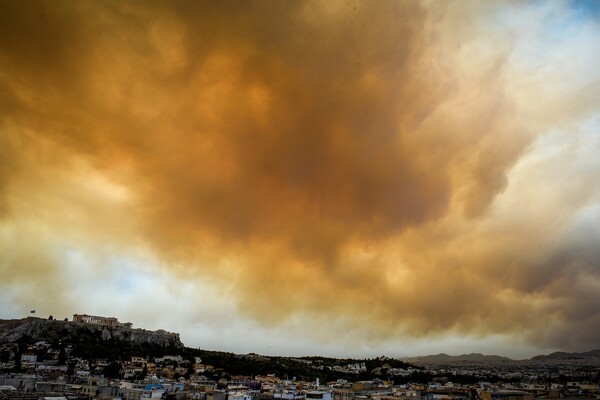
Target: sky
{"x": 339, "y": 178}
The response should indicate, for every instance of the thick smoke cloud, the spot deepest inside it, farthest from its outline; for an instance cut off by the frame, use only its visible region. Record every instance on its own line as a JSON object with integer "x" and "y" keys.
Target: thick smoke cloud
{"x": 361, "y": 161}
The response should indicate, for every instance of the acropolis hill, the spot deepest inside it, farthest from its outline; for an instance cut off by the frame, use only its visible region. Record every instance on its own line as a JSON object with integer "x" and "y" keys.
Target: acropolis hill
{"x": 104, "y": 328}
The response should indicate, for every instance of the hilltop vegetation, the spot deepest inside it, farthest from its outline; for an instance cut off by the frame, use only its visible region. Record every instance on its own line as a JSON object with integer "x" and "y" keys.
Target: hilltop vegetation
{"x": 92, "y": 342}
{"x": 302, "y": 368}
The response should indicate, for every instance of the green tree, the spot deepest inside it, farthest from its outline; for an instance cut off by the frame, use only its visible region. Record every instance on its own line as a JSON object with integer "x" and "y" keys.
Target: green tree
{"x": 141, "y": 375}
{"x": 4, "y": 356}
{"x": 113, "y": 370}
{"x": 62, "y": 356}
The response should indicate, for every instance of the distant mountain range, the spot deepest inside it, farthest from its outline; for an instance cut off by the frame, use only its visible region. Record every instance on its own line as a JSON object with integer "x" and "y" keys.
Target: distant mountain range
{"x": 445, "y": 358}
{"x": 482, "y": 358}
{"x": 561, "y": 355}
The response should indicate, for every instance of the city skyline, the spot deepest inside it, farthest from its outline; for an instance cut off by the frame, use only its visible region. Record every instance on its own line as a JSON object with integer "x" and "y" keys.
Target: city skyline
{"x": 295, "y": 178}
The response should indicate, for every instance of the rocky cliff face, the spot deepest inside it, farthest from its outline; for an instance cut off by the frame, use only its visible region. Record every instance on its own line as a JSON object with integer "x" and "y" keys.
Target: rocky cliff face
{"x": 44, "y": 329}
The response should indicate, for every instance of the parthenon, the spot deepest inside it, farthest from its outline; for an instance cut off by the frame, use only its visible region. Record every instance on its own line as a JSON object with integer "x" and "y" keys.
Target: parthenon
{"x": 110, "y": 322}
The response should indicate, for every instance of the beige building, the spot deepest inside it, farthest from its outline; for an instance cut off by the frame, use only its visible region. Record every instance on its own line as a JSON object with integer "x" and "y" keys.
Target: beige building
{"x": 506, "y": 395}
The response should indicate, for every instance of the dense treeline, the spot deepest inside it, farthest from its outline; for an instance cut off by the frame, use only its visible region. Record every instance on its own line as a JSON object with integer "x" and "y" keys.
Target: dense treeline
{"x": 301, "y": 368}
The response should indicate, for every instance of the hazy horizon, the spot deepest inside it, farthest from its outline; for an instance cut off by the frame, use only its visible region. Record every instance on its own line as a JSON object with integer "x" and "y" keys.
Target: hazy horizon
{"x": 309, "y": 354}
{"x": 337, "y": 355}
